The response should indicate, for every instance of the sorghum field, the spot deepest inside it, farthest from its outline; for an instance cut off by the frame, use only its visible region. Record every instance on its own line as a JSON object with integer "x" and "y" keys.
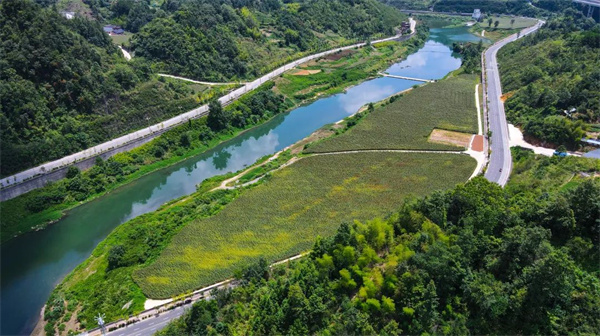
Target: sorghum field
{"x": 407, "y": 122}
{"x": 283, "y": 216}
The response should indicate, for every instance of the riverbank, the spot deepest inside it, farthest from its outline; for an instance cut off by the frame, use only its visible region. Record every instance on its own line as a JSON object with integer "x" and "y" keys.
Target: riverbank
{"x": 421, "y": 169}
{"x": 18, "y": 217}
{"x": 35, "y": 173}
{"x": 61, "y": 247}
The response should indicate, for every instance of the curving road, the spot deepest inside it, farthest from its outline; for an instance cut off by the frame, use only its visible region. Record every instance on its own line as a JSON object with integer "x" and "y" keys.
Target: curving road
{"x": 37, "y": 177}
{"x": 500, "y": 162}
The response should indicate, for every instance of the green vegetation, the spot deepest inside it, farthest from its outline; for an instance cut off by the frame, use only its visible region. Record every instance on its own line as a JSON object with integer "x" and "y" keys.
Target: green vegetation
{"x": 308, "y": 198}
{"x": 122, "y": 40}
{"x": 337, "y": 71}
{"x": 476, "y": 259}
{"x": 443, "y": 21}
{"x": 553, "y": 80}
{"x": 218, "y": 40}
{"x": 35, "y": 209}
{"x": 408, "y": 119}
{"x": 103, "y": 282}
{"x": 497, "y": 27}
{"x": 519, "y": 7}
{"x": 65, "y": 87}
{"x": 507, "y": 22}
{"x": 335, "y": 187}
{"x": 471, "y": 55}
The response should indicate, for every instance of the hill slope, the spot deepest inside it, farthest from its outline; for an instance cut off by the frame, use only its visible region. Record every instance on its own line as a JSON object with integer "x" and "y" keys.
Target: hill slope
{"x": 65, "y": 87}
{"x": 476, "y": 259}
{"x": 554, "y": 71}
{"x": 215, "y": 40}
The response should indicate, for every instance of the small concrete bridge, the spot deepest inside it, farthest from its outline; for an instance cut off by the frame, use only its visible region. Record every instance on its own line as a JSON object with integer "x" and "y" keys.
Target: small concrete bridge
{"x": 407, "y": 78}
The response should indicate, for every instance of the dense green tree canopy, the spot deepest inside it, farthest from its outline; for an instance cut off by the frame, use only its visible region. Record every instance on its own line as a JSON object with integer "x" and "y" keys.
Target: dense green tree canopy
{"x": 476, "y": 259}
{"x": 64, "y": 87}
{"x": 554, "y": 80}
{"x": 218, "y": 40}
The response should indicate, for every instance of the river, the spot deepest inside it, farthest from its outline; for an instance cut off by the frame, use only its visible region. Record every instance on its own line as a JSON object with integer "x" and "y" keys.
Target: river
{"x": 33, "y": 264}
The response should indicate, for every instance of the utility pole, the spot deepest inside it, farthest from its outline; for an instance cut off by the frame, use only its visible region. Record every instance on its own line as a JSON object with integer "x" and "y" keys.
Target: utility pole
{"x": 100, "y": 320}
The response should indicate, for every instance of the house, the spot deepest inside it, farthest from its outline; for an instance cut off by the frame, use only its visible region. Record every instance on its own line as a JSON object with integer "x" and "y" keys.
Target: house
{"x": 113, "y": 30}
{"x": 68, "y": 15}
{"x": 476, "y": 14}
{"x": 405, "y": 26}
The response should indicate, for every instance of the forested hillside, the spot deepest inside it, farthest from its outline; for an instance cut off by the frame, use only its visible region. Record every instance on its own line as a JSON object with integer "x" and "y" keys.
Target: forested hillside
{"x": 553, "y": 80}
{"x": 477, "y": 259}
{"x": 215, "y": 40}
{"x": 466, "y": 6}
{"x": 530, "y": 8}
{"x": 64, "y": 87}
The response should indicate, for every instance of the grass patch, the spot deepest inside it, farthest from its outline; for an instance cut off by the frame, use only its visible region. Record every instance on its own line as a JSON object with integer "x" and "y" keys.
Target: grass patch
{"x": 284, "y": 215}
{"x": 407, "y": 122}
{"x": 122, "y": 40}
{"x": 504, "y": 22}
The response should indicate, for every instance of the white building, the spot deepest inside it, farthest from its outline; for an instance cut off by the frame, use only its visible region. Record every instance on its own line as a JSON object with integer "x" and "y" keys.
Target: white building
{"x": 476, "y": 14}
{"x": 68, "y": 15}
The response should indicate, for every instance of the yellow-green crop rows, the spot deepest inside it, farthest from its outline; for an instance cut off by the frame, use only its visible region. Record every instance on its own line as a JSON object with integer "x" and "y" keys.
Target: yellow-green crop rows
{"x": 407, "y": 122}
{"x": 282, "y": 216}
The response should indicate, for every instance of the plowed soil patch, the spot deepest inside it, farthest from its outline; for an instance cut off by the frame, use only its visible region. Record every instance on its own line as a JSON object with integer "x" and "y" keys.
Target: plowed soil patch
{"x": 306, "y": 72}
{"x": 450, "y": 138}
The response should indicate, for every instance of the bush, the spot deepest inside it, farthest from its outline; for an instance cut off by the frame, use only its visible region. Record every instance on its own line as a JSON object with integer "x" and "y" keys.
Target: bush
{"x": 159, "y": 152}
{"x": 72, "y": 172}
{"x": 115, "y": 256}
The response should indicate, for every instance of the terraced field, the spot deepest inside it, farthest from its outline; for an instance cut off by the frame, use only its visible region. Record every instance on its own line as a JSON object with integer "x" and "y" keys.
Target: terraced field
{"x": 282, "y": 216}
{"x": 408, "y": 121}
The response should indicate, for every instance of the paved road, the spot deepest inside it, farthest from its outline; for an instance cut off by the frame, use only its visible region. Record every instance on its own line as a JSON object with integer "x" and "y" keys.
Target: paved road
{"x": 151, "y": 325}
{"x": 149, "y": 321}
{"x": 200, "y": 82}
{"x": 24, "y": 181}
{"x": 589, "y": 2}
{"x": 500, "y": 163}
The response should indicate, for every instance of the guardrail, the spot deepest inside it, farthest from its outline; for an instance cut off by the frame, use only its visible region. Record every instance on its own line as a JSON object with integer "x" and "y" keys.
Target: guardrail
{"x": 197, "y": 295}
{"x": 152, "y": 131}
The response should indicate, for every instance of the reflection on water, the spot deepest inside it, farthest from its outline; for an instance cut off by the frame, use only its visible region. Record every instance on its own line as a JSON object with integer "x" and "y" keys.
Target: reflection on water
{"x": 33, "y": 264}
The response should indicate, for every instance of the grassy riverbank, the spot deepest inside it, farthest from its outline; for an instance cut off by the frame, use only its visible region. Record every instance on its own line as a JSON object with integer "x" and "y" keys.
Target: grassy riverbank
{"x": 34, "y": 210}
{"x": 204, "y": 237}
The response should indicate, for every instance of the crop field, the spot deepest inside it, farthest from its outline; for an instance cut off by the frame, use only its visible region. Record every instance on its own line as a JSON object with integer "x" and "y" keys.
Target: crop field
{"x": 504, "y": 22}
{"x": 407, "y": 122}
{"x": 329, "y": 75}
{"x": 122, "y": 40}
{"x": 282, "y": 216}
